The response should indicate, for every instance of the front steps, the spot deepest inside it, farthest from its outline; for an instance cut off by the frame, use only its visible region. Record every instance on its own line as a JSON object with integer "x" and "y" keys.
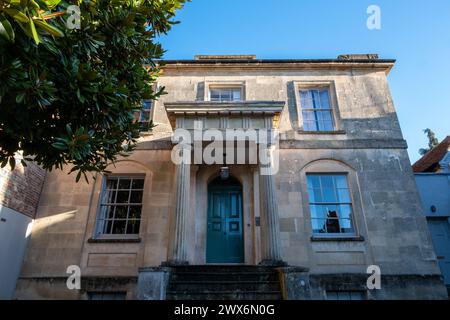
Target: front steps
{"x": 223, "y": 282}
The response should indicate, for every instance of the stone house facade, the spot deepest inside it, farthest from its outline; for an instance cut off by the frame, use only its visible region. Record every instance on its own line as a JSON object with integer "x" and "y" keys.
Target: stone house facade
{"x": 343, "y": 197}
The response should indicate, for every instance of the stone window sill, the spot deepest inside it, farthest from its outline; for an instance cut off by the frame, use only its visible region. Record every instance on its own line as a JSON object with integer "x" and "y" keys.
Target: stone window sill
{"x": 111, "y": 240}
{"x": 336, "y": 132}
{"x": 337, "y": 239}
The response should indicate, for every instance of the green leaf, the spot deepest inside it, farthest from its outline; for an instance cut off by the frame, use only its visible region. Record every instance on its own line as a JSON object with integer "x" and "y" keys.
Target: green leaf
{"x": 59, "y": 146}
{"x": 52, "y": 3}
{"x": 34, "y": 32}
{"x": 49, "y": 28}
{"x": 17, "y": 15}
{"x": 20, "y": 97}
{"x": 78, "y": 176}
{"x": 6, "y": 29}
{"x": 80, "y": 97}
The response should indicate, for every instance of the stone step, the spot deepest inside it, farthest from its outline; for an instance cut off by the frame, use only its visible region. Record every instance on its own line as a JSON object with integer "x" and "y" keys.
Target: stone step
{"x": 223, "y": 282}
{"x": 225, "y": 295}
{"x": 213, "y": 286}
{"x": 224, "y": 276}
{"x": 223, "y": 268}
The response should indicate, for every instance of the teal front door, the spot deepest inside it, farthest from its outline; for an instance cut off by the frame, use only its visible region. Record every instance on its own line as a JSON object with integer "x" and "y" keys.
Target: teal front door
{"x": 224, "y": 227}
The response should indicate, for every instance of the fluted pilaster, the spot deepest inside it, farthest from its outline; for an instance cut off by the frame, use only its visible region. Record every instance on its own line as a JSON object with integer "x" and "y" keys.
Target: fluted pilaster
{"x": 178, "y": 253}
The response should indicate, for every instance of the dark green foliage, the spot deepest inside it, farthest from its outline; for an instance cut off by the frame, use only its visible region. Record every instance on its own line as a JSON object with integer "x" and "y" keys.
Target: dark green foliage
{"x": 69, "y": 96}
{"x": 432, "y": 142}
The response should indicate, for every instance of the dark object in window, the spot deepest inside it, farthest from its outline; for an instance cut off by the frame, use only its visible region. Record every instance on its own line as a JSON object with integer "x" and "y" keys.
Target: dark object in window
{"x": 333, "y": 222}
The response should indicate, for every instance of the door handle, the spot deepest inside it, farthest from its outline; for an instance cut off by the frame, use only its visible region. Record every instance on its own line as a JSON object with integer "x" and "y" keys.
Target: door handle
{"x": 225, "y": 233}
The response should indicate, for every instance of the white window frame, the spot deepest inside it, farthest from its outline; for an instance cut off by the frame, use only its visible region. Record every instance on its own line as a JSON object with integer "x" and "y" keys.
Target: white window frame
{"x": 98, "y": 230}
{"x": 224, "y": 85}
{"x": 353, "y": 219}
{"x": 332, "y": 96}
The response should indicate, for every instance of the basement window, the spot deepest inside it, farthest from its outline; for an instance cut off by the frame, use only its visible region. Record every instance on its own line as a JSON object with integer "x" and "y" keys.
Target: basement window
{"x": 120, "y": 206}
{"x": 346, "y": 295}
{"x": 330, "y": 205}
{"x": 107, "y": 295}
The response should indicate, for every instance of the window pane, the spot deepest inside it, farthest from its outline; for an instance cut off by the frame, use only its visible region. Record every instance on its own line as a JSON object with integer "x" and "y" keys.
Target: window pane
{"x": 306, "y": 99}
{"x": 108, "y": 212}
{"x": 327, "y": 182}
{"x": 346, "y": 226}
{"x": 316, "y": 99}
{"x": 309, "y": 125}
{"x": 226, "y": 95}
{"x": 136, "y": 197}
{"x": 215, "y": 95}
{"x": 343, "y": 195}
{"x": 320, "y": 211}
{"x": 341, "y": 182}
{"x": 345, "y": 211}
{"x": 122, "y": 196}
{"x": 326, "y": 126}
{"x": 138, "y": 184}
{"x": 357, "y": 295}
{"x": 107, "y": 295}
{"x": 329, "y": 195}
{"x": 346, "y": 295}
{"x": 313, "y": 181}
{"x": 111, "y": 183}
{"x": 124, "y": 183}
{"x": 110, "y": 197}
{"x": 119, "y": 227}
{"x": 315, "y": 195}
{"x": 108, "y": 226}
{"x": 147, "y": 104}
{"x": 121, "y": 212}
{"x": 133, "y": 226}
{"x": 236, "y": 95}
{"x": 324, "y": 99}
{"x": 332, "y": 295}
{"x": 318, "y": 225}
{"x": 135, "y": 212}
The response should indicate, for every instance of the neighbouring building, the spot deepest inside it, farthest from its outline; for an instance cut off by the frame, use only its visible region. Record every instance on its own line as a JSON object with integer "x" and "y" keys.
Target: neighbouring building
{"x": 19, "y": 197}
{"x": 343, "y": 198}
{"x": 432, "y": 173}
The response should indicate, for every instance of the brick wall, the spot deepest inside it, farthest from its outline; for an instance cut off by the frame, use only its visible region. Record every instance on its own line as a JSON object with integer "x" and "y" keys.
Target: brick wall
{"x": 20, "y": 189}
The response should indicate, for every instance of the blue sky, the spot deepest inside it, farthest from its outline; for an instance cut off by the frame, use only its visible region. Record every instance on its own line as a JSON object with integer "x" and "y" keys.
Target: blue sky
{"x": 416, "y": 33}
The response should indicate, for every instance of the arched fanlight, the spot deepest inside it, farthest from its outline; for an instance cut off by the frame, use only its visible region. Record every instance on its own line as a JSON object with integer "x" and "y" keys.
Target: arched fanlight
{"x": 224, "y": 173}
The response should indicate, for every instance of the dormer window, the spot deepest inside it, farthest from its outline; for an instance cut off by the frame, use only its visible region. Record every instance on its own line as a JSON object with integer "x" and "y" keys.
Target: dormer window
{"x": 225, "y": 94}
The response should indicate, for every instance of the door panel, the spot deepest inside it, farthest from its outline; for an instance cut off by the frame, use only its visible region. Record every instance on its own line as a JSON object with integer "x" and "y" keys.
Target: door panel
{"x": 440, "y": 233}
{"x": 224, "y": 227}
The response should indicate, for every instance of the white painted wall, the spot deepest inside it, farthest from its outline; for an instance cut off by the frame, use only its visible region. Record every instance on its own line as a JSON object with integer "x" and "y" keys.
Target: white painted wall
{"x": 15, "y": 229}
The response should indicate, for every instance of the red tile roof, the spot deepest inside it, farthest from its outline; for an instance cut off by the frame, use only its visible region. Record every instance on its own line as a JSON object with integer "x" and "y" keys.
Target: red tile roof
{"x": 430, "y": 160}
